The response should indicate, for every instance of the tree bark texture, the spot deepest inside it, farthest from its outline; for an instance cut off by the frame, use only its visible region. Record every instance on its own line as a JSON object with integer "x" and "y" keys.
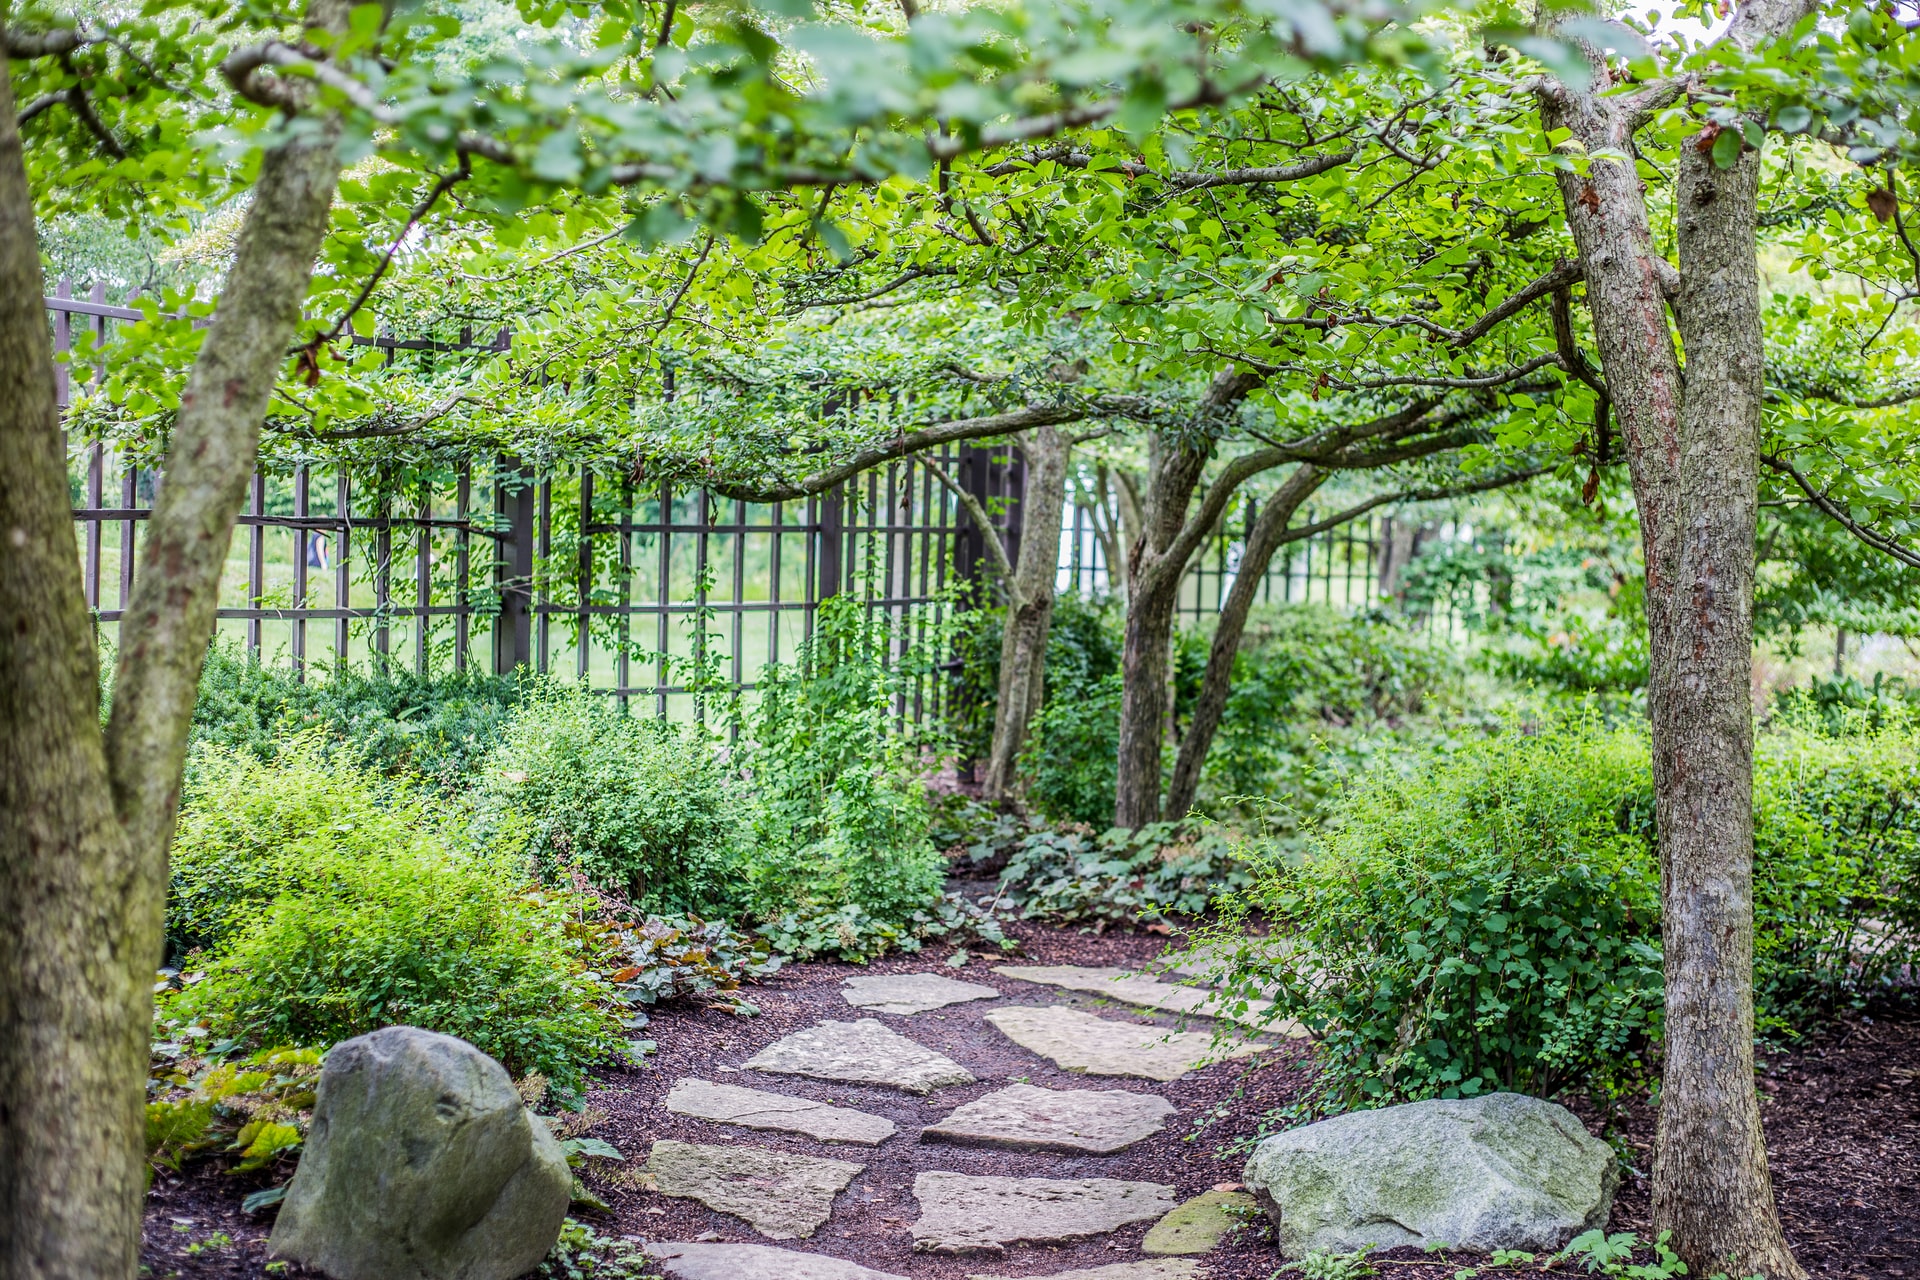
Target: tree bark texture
{"x": 1156, "y": 562}
{"x": 76, "y": 970}
{"x": 1693, "y": 452}
{"x": 1030, "y": 593}
{"x": 87, "y": 817}
{"x": 1268, "y": 533}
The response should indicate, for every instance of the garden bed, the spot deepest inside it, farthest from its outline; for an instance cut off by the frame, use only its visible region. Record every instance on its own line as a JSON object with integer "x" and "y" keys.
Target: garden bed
{"x": 1842, "y": 1113}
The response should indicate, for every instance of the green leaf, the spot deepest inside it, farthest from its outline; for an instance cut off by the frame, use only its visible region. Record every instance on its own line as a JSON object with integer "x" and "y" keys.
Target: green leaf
{"x": 1727, "y": 148}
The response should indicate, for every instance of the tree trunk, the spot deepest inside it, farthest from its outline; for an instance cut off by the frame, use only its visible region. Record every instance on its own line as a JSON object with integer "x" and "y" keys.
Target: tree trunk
{"x": 75, "y": 971}
{"x": 1156, "y": 562}
{"x": 1030, "y": 592}
{"x": 1692, "y": 449}
{"x": 87, "y": 819}
{"x": 1218, "y": 680}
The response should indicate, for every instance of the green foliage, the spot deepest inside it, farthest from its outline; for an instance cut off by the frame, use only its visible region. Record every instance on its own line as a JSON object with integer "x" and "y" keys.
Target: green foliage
{"x": 673, "y": 959}
{"x": 1580, "y": 656}
{"x": 1067, "y": 762}
{"x": 642, "y": 809}
{"x": 439, "y": 728}
{"x": 1121, "y": 877}
{"x": 1307, "y": 682}
{"x": 581, "y": 1253}
{"x": 841, "y": 820}
{"x": 323, "y": 923}
{"x": 1612, "y": 1255}
{"x": 1322, "y": 1265}
{"x": 1846, "y": 704}
{"x": 256, "y": 1107}
{"x": 1837, "y": 868}
{"x": 1480, "y": 921}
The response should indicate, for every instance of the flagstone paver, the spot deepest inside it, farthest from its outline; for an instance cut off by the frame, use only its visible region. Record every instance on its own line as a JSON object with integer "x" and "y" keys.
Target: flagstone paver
{"x": 758, "y": 1109}
{"x": 1149, "y": 993}
{"x": 782, "y": 1196}
{"x": 907, "y": 993}
{"x": 1153, "y": 1269}
{"x": 1079, "y": 1041}
{"x": 756, "y": 1262}
{"x": 1076, "y": 1121}
{"x": 962, "y": 1213}
{"x": 1199, "y": 1225}
{"x": 863, "y": 1052}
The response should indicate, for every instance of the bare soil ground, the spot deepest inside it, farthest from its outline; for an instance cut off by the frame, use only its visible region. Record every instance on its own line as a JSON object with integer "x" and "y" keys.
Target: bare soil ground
{"x": 1842, "y": 1114}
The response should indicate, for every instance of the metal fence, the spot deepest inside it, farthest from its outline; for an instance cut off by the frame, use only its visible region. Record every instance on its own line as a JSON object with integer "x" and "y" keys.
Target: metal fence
{"x": 625, "y": 586}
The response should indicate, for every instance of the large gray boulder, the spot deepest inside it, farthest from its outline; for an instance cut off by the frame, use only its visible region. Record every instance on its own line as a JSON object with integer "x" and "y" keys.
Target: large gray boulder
{"x": 1501, "y": 1171}
{"x": 422, "y": 1164}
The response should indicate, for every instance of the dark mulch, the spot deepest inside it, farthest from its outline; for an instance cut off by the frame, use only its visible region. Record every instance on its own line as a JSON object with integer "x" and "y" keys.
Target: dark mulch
{"x": 1843, "y": 1118}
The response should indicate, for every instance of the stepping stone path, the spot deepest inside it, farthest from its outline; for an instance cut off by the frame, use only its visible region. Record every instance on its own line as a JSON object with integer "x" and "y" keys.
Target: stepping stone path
{"x": 961, "y": 1213}
{"x": 756, "y": 1262}
{"x": 1200, "y": 1224}
{"x": 755, "y": 1109}
{"x": 863, "y": 1052}
{"x": 782, "y": 1196}
{"x": 1077, "y": 1041}
{"x": 1162, "y": 1269}
{"x": 1076, "y": 1121}
{"x": 906, "y": 993}
{"x": 1149, "y": 993}
{"x": 785, "y": 1196}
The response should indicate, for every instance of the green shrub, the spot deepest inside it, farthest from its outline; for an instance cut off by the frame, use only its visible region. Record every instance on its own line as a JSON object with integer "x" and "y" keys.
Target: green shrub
{"x": 1121, "y": 877}
{"x": 643, "y": 809}
{"x": 840, "y": 816}
{"x": 1067, "y": 764}
{"x": 435, "y": 727}
{"x": 329, "y": 921}
{"x": 1308, "y": 683}
{"x": 1837, "y": 868}
{"x": 1477, "y": 921}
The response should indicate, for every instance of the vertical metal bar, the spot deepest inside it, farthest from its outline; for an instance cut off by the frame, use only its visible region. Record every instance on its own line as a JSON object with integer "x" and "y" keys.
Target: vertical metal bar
{"x": 513, "y": 631}
{"x": 96, "y": 475}
{"x": 423, "y": 577}
{"x": 342, "y": 576}
{"x": 815, "y": 530}
{"x": 623, "y": 666}
{"x": 699, "y": 645}
{"x": 256, "y": 560}
{"x": 740, "y": 593}
{"x": 773, "y": 593}
{"x": 542, "y": 600}
{"x": 462, "y": 582}
{"x": 832, "y": 532}
{"x": 383, "y": 577}
{"x": 662, "y": 632}
{"x": 302, "y": 540}
{"x": 583, "y": 643}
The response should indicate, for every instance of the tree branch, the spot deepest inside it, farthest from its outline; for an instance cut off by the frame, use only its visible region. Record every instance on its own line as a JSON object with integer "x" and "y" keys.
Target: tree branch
{"x": 978, "y": 513}
{"x": 1879, "y": 542}
{"x": 933, "y": 437}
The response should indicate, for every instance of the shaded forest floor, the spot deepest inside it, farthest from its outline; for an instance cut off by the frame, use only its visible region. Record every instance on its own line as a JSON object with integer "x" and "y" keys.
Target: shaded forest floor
{"x": 1842, "y": 1110}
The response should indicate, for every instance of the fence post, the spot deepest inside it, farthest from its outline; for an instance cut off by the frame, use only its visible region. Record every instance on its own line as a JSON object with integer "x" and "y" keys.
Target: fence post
{"x": 832, "y": 536}
{"x": 513, "y": 497}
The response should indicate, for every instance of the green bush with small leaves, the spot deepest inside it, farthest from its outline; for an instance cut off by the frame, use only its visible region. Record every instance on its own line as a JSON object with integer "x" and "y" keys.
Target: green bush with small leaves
{"x": 1121, "y": 877}
{"x": 1484, "y": 920}
{"x": 331, "y": 903}
{"x": 643, "y": 809}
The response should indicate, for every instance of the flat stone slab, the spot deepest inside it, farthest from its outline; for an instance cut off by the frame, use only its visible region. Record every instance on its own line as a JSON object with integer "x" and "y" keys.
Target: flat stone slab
{"x": 912, "y": 992}
{"x": 1078, "y": 1041}
{"x": 782, "y": 1196}
{"x": 960, "y": 1213}
{"x": 1150, "y": 993}
{"x": 863, "y": 1052}
{"x": 1157, "y": 1269}
{"x": 757, "y": 1109}
{"x": 1199, "y": 1225}
{"x": 756, "y": 1262}
{"x": 1077, "y": 1121}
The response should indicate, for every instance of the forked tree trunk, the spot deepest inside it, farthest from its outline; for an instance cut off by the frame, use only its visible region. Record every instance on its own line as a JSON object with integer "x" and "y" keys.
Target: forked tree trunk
{"x": 1692, "y": 448}
{"x": 1217, "y": 683}
{"x": 1030, "y": 592}
{"x": 76, "y": 967}
{"x": 85, "y": 820}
